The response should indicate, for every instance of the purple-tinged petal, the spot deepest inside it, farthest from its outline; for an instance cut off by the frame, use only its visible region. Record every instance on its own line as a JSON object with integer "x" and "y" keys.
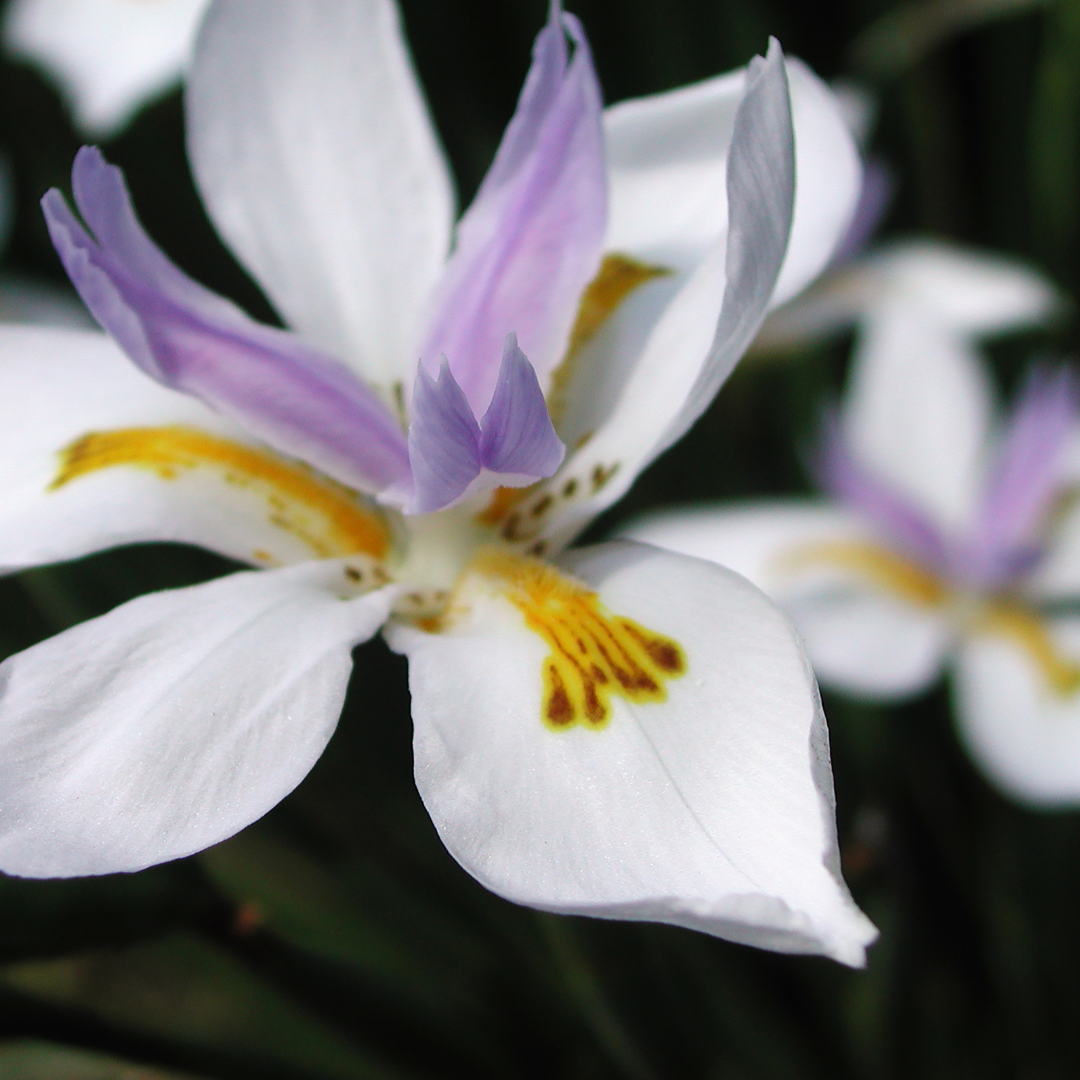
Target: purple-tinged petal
{"x": 902, "y": 524}
{"x": 296, "y": 399}
{"x": 444, "y": 442}
{"x": 531, "y": 241}
{"x": 517, "y": 435}
{"x": 103, "y": 200}
{"x": 875, "y": 197}
{"x": 1025, "y": 478}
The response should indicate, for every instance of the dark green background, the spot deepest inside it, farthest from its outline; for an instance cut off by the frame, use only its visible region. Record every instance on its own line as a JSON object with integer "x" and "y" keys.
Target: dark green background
{"x": 336, "y": 938}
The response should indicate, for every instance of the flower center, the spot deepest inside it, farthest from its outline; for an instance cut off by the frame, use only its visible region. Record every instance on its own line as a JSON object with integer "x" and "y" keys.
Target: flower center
{"x": 1002, "y": 614}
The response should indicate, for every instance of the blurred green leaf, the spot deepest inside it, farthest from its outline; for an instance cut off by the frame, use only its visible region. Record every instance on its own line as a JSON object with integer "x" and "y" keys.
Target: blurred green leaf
{"x": 901, "y": 37}
{"x": 182, "y": 988}
{"x": 49, "y": 918}
{"x": 1055, "y": 137}
{"x": 418, "y": 956}
{"x": 27, "y": 1060}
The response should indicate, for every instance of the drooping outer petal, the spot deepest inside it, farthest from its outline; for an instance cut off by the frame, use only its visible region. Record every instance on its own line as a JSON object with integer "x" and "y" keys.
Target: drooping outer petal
{"x": 281, "y": 390}
{"x": 667, "y": 158}
{"x": 861, "y": 636}
{"x": 971, "y": 292}
{"x": 317, "y": 161}
{"x": 711, "y": 810}
{"x": 531, "y": 240}
{"x": 1025, "y": 735}
{"x": 173, "y": 721}
{"x": 918, "y": 410}
{"x": 709, "y": 323}
{"x": 109, "y": 56}
{"x": 60, "y": 386}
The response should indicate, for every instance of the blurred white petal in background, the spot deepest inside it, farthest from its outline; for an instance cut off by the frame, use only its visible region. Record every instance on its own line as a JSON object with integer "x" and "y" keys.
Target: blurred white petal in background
{"x": 108, "y": 57}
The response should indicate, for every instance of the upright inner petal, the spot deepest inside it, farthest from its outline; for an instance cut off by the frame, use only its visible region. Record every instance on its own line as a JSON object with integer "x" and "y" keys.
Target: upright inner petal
{"x": 331, "y": 520}
{"x": 532, "y": 239}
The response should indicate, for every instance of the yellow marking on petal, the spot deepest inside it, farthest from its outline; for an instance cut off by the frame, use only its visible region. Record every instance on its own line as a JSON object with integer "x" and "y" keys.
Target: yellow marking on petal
{"x": 594, "y": 654}
{"x": 1006, "y": 617}
{"x": 617, "y": 278}
{"x": 1025, "y": 628}
{"x": 883, "y": 567}
{"x": 503, "y": 500}
{"x": 326, "y": 516}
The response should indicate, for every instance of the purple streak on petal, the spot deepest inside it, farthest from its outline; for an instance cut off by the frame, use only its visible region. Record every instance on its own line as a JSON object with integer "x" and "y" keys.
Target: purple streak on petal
{"x": 444, "y": 442}
{"x": 1025, "y": 479}
{"x": 875, "y": 197}
{"x": 532, "y": 239}
{"x": 517, "y": 435}
{"x": 903, "y": 525}
{"x": 299, "y": 401}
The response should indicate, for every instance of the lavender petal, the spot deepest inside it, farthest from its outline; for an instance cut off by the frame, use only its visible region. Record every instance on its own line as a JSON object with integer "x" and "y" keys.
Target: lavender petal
{"x": 1025, "y": 478}
{"x": 444, "y": 442}
{"x": 902, "y": 524}
{"x": 297, "y": 400}
{"x": 532, "y": 239}
{"x": 517, "y": 435}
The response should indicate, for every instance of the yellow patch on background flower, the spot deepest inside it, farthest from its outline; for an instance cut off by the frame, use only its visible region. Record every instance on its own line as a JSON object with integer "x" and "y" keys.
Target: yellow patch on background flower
{"x": 892, "y": 572}
{"x": 326, "y": 516}
{"x": 1027, "y": 630}
{"x": 1004, "y": 615}
{"x": 594, "y": 654}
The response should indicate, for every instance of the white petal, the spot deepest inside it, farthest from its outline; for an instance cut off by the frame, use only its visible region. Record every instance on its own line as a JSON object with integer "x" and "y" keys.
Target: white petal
{"x": 967, "y": 292}
{"x": 713, "y": 810}
{"x": 318, "y": 163}
{"x": 918, "y": 410}
{"x": 828, "y": 180}
{"x": 667, "y": 157}
{"x": 861, "y": 638}
{"x": 59, "y": 385}
{"x": 870, "y": 643}
{"x": 175, "y": 720}
{"x": 1024, "y": 735}
{"x": 753, "y": 539}
{"x": 109, "y": 56}
{"x": 972, "y": 292}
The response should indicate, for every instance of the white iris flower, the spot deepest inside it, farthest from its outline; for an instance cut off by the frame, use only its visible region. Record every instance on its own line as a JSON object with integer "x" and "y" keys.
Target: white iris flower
{"x": 618, "y": 730}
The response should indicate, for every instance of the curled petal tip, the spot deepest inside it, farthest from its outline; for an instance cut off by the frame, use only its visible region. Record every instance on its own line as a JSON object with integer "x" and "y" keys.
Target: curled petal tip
{"x": 444, "y": 441}
{"x": 517, "y": 436}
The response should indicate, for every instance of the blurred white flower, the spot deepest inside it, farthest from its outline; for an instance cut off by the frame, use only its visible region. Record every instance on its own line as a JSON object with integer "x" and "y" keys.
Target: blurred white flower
{"x": 108, "y": 57}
